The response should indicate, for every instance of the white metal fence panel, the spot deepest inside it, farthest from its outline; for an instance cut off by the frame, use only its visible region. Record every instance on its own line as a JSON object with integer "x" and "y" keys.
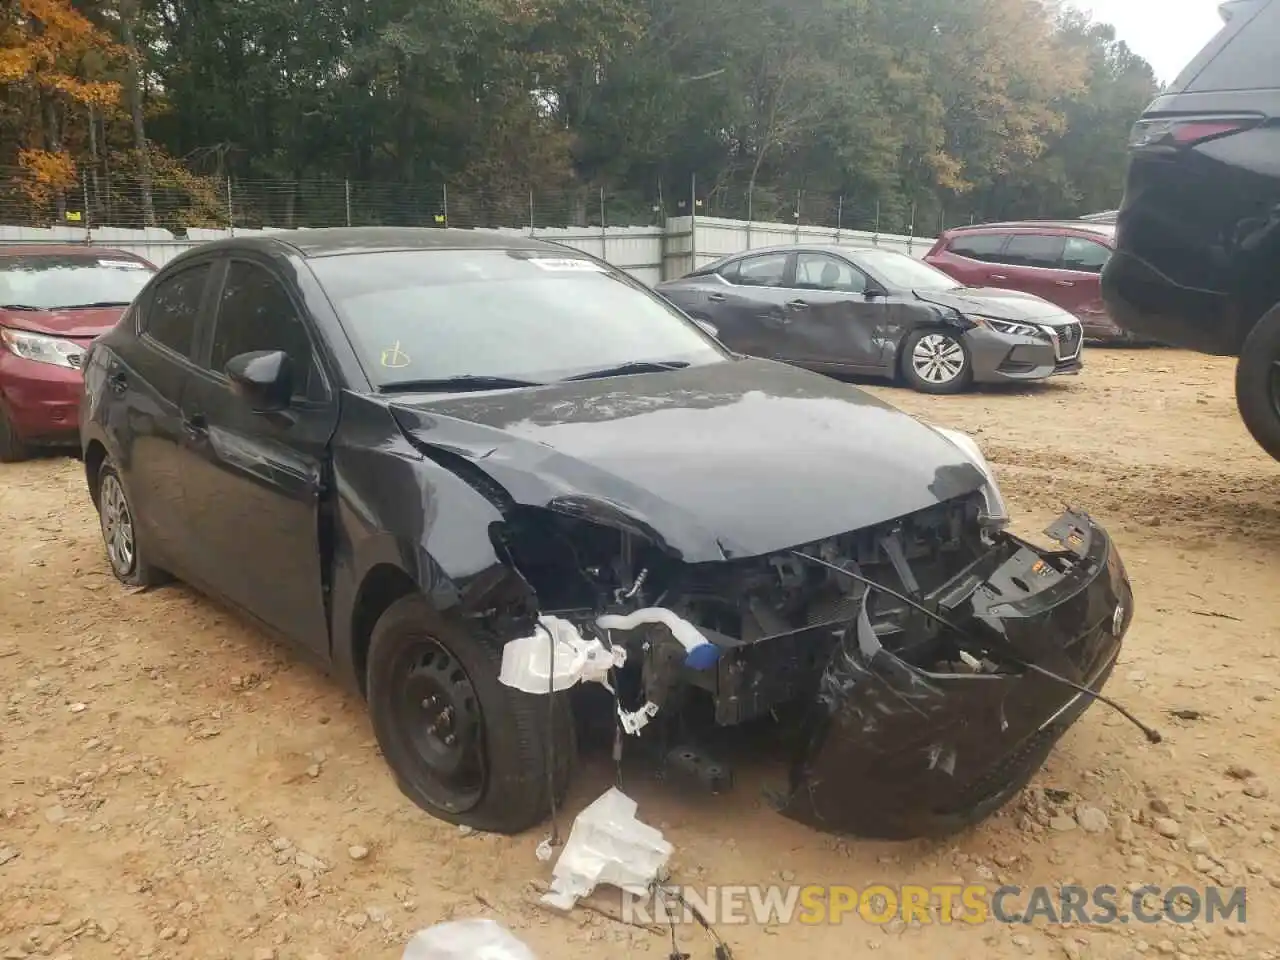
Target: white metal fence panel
{"x": 716, "y": 238}
{"x": 649, "y": 254}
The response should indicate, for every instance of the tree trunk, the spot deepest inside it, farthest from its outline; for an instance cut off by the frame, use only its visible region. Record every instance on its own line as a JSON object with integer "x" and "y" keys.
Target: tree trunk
{"x": 133, "y": 81}
{"x": 53, "y": 137}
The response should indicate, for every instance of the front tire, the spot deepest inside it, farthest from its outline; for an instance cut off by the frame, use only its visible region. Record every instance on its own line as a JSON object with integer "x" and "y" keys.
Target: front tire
{"x": 12, "y": 449}
{"x": 936, "y": 361}
{"x": 1258, "y": 382}
{"x": 462, "y": 746}
{"x": 119, "y": 532}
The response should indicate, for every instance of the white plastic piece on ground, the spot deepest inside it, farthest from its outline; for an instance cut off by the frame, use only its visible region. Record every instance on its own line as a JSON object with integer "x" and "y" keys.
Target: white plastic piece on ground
{"x": 689, "y": 636}
{"x": 526, "y": 661}
{"x": 607, "y": 845}
{"x": 473, "y": 939}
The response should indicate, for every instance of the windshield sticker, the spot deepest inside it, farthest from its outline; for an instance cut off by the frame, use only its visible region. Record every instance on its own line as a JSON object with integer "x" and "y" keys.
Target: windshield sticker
{"x": 566, "y": 263}
{"x": 122, "y": 264}
{"x": 393, "y": 357}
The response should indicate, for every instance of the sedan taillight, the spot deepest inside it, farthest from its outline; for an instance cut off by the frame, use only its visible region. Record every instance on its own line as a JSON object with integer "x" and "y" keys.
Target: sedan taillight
{"x": 1176, "y": 132}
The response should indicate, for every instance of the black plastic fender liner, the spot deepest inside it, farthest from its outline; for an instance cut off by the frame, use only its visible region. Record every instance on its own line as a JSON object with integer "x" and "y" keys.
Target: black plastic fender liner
{"x": 891, "y": 751}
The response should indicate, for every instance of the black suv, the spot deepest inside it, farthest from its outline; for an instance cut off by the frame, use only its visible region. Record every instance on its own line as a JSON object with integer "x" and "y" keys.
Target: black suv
{"x": 1197, "y": 259}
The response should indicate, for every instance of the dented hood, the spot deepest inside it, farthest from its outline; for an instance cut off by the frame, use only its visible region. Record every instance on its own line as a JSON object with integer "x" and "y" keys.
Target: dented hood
{"x": 734, "y": 459}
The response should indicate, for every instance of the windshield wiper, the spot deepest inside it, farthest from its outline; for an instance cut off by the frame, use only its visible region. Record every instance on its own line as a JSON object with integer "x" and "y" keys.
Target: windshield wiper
{"x": 20, "y": 306}
{"x": 461, "y": 383}
{"x": 636, "y": 366}
{"x": 91, "y": 306}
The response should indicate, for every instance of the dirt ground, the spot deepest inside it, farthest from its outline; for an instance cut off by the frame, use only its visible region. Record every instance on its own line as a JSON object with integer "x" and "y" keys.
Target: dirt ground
{"x": 174, "y": 784}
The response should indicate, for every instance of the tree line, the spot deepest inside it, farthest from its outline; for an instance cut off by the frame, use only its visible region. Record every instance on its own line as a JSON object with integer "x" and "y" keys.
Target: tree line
{"x": 1004, "y": 108}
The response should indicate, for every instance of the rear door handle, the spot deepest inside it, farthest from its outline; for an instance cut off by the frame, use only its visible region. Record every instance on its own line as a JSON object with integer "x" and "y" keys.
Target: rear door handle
{"x": 118, "y": 382}
{"x": 1064, "y": 283}
{"x": 998, "y": 276}
{"x": 798, "y": 305}
{"x": 716, "y": 297}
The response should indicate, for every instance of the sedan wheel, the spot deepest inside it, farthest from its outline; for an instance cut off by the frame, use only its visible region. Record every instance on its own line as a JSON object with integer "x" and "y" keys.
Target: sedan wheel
{"x": 119, "y": 532}
{"x": 935, "y": 361}
{"x": 463, "y": 746}
{"x": 117, "y": 527}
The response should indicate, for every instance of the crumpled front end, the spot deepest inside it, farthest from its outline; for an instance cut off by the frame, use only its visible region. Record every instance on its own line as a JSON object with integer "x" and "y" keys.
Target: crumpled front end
{"x": 900, "y": 744}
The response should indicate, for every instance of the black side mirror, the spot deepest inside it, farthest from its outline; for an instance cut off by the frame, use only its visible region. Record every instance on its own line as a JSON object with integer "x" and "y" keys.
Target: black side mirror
{"x": 871, "y": 293}
{"x": 264, "y": 378}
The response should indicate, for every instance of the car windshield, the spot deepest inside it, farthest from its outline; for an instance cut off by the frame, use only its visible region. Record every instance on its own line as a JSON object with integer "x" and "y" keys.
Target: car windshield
{"x": 60, "y": 282}
{"x": 903, "y": 272}
{"x": 502, "y": 315}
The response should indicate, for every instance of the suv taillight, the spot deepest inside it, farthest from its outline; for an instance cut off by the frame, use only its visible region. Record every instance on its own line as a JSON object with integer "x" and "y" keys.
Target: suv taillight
{"x": 1173, "y": 133}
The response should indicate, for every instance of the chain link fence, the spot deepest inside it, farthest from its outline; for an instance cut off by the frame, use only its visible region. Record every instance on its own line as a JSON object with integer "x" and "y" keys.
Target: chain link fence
{"x": 179, "y": 201}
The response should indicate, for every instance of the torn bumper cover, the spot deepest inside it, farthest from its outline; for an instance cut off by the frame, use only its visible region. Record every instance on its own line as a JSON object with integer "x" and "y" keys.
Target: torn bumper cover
{"x": 892, "y": 750}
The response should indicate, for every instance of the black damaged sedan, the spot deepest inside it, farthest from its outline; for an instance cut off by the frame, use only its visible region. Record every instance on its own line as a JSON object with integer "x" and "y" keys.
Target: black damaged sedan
{"x": 412, "y": 451}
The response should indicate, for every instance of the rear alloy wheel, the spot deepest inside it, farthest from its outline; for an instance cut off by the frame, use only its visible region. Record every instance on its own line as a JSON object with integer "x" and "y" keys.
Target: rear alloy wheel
{"x": 1258, "y": 382}
{"x": 936, "y": 361}
{"x": 463, "y": 747}
{"x": 119, "y": 532}
{"x": 12, "y": 449}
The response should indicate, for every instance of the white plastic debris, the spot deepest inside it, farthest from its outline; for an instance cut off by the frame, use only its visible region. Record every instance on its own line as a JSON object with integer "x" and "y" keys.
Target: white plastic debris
{"x": 527, "y": 661}
{"x": 607, "y": 845}
{"x": 474, "y": 939}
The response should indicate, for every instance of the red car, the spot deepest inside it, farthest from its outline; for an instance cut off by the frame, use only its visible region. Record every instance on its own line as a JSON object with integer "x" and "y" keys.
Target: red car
{"x": 1058, "y": 261}
{"x": 54, "y": 300}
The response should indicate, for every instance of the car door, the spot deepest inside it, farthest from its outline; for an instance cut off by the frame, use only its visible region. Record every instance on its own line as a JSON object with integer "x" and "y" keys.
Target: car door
{"x": 254, "y": 481}
{"x": 1082, "y": 262}
{"x": 145, "y": 377}
{"x": 830, "y": 319}
{"x": 746, "y": 305}
{"x": 1031, "y": 263}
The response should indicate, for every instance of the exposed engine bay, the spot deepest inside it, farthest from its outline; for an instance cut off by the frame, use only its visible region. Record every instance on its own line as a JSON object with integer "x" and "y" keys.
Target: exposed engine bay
{"x": 928, "y": 653}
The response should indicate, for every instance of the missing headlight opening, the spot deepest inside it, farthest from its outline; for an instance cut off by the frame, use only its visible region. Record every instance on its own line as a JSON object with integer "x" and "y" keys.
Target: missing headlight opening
{"x": 922, "y": 668}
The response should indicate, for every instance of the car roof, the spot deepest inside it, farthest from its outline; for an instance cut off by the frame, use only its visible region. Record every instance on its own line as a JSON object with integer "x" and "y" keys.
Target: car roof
{"x": 1084, "y": 226}
{"x": 63, "y": 250}
{"x": 840, "y": 249}
{"x": 336, "y": 241}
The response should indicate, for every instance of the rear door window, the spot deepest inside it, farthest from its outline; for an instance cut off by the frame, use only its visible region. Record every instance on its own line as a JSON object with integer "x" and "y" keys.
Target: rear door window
{"x": 1085, "y": 256}
{"x": 766, "y": 270}
{"x": 1034, "y": 250}
{"x": 979, "y": 246}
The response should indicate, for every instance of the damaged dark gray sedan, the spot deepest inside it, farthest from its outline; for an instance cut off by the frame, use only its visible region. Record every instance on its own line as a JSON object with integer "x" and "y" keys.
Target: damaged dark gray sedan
{"x": 469, "y": 472}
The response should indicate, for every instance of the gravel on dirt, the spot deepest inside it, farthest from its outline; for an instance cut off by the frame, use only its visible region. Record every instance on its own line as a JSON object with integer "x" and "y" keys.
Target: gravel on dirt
{"x": 160, "y": 760}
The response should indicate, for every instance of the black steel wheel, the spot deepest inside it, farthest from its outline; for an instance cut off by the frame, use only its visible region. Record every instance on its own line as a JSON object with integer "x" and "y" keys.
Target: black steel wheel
{"x": 1258, "y": 382}
{"x": 437, "y": 709}
{"x": 463, "y": 747}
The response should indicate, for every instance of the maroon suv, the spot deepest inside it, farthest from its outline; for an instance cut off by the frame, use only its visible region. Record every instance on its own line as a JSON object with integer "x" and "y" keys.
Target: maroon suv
{"x": 1059, "y": 261}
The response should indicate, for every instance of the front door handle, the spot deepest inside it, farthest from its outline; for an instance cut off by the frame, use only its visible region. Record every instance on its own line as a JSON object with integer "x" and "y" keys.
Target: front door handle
{"x": 998, "y": 276}
{"x": 1064, "y": 283}
{"x": 716, "y": 297}
{"x": 798, "y": 305}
